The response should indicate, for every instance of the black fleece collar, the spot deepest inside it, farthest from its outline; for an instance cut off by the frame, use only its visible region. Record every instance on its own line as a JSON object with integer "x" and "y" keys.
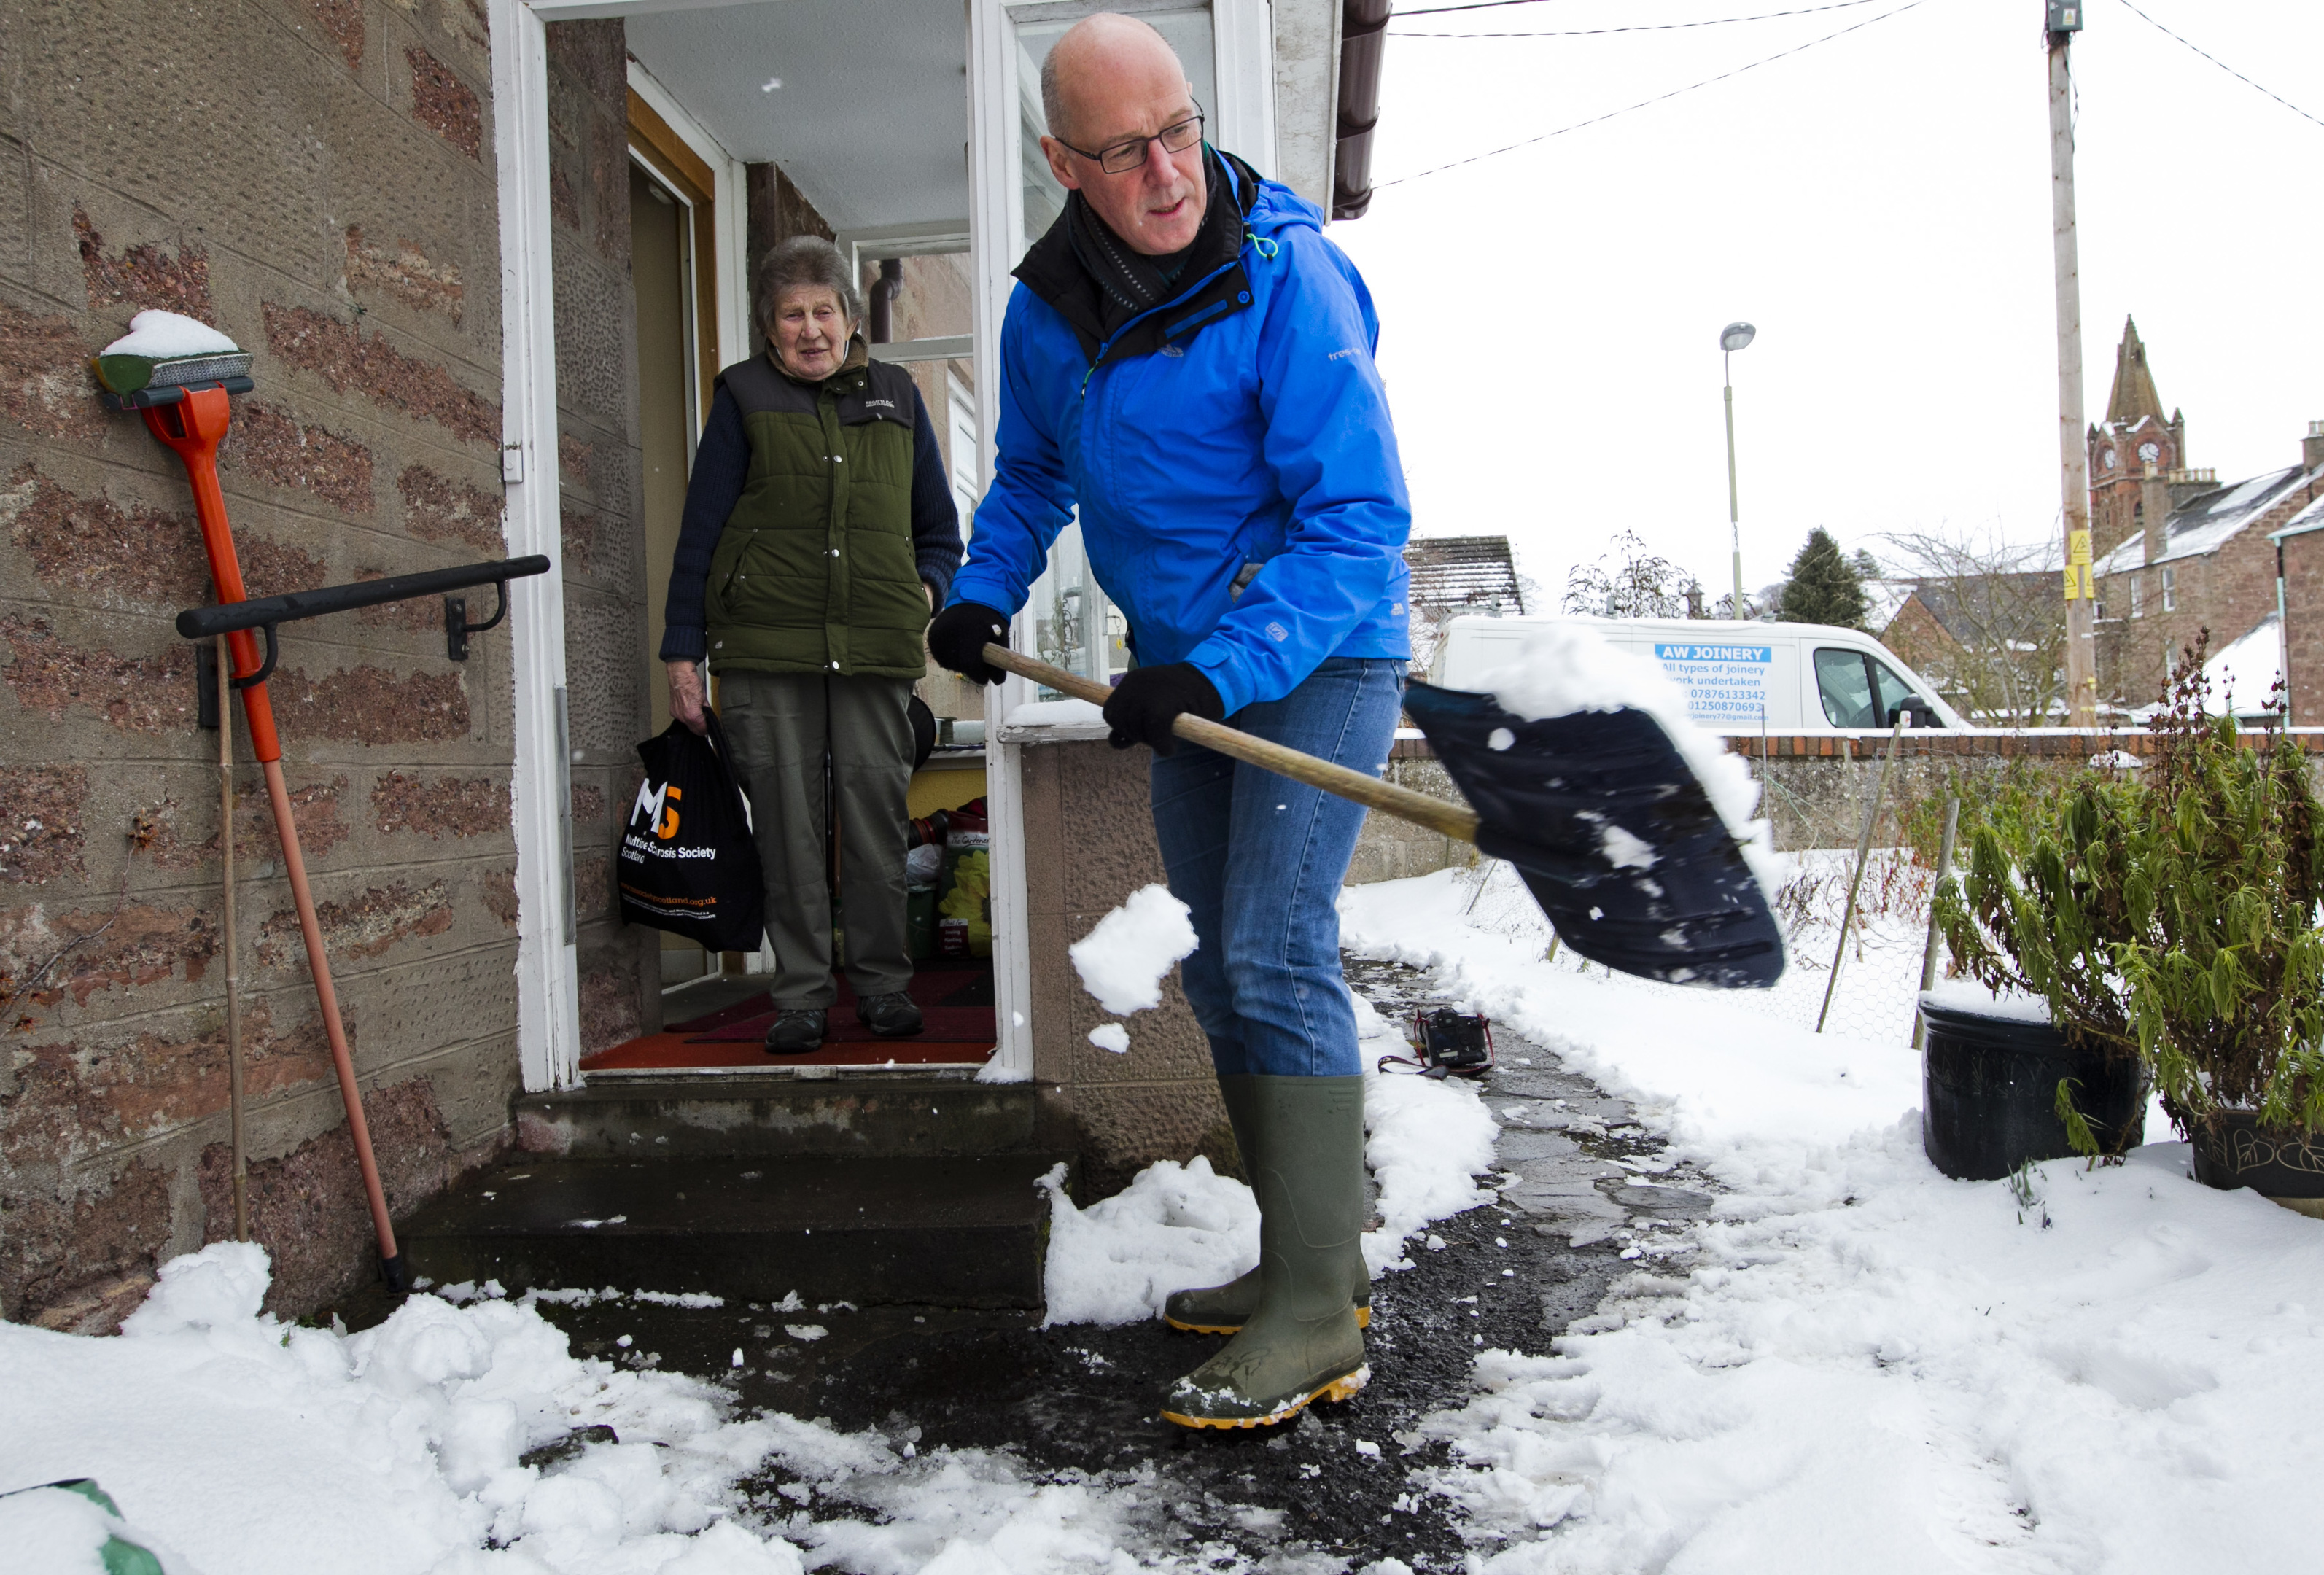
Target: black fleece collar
{"x": 1098, "y": 299}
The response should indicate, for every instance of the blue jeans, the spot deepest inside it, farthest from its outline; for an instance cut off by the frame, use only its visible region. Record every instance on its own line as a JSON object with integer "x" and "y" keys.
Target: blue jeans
{"x": 1259, "y": 858}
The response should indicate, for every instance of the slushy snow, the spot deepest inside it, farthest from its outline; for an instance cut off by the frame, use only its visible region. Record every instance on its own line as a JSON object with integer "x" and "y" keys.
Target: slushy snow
{"x": 162, "y": 336}
{"x": 1568, "y": 666}
{"x": 1856, "y": 1363}
{"x": 1122, "y": 958}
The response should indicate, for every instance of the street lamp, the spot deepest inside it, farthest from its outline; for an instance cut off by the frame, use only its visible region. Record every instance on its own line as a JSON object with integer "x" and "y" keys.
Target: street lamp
{"x": 1731, "y": 338}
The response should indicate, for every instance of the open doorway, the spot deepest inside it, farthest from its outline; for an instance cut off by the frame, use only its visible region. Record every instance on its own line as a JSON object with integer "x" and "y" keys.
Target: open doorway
{"x": 831, "y": 118}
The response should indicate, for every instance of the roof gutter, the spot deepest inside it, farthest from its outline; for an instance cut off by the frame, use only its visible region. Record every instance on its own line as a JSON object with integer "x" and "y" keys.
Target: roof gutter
{"x": 1363, "y": 36}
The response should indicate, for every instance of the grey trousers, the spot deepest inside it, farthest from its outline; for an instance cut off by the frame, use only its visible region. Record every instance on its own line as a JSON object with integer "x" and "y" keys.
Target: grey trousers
{"x": 781, "y": 725}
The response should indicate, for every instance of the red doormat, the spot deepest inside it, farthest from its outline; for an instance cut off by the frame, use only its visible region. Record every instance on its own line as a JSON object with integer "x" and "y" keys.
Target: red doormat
{"x": 954, "y": 995}
{"x": 662, "y": 1052}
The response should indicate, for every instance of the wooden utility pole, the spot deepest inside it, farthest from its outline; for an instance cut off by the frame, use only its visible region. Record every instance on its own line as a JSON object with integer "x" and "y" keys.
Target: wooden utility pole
{"x": 2064, "y": 19}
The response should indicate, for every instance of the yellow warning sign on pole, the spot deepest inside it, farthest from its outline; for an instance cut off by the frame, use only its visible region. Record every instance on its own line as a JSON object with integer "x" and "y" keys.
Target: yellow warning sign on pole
{"x": 2078, "y": 586}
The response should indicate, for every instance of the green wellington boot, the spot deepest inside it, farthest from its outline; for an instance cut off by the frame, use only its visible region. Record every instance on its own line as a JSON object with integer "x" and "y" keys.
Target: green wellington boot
{"x": 1225, "y": 1309}
{"x": 1302, "y": 1342}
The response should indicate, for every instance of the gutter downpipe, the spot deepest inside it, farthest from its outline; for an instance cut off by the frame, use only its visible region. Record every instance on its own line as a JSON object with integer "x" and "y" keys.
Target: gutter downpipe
{"x": 881, "y": 329}
{"x": 1363, "y": 36}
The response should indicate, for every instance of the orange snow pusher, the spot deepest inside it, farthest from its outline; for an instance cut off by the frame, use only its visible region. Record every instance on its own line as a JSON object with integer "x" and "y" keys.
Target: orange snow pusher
{"x": 179, "y": 376}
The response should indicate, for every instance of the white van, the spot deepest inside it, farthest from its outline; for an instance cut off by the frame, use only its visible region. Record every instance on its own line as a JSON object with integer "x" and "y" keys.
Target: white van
{"x": 1738, "y": 677}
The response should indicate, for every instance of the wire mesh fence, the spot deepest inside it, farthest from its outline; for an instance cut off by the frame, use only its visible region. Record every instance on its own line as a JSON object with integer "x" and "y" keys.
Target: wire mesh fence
{"x": 1874, "y": 995}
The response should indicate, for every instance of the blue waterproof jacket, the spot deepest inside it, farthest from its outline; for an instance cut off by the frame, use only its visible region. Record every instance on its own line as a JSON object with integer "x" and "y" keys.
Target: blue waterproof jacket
{"x": 1240, "y": 496}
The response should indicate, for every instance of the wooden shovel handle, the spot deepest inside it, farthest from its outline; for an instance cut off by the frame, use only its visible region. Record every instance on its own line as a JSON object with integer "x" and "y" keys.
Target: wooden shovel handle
{"x": 1456, "y": 821}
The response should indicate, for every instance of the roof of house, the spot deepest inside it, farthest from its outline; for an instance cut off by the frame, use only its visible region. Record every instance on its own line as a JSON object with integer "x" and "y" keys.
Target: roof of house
{"x": 1972, "y": 609}
{"x": 2242, "y": 672}
{"x": 2206, "y": 523}
{"x": 2310, "y": 518}
{"x": 1450, "y": 573}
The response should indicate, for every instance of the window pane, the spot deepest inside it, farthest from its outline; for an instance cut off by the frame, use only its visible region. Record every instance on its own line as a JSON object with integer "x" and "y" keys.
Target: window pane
{"x": 1845, "y": 688}
{"x": 1894, "y": 691}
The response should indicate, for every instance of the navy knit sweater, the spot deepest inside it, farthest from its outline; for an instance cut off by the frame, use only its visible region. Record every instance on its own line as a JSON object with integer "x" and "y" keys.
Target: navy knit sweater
{"x": 722, "y": 463}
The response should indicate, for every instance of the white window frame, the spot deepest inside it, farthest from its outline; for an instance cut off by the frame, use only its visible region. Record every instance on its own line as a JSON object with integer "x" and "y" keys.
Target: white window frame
{"x": 2169, "y": 589}
{"x": 2138, "y": 594}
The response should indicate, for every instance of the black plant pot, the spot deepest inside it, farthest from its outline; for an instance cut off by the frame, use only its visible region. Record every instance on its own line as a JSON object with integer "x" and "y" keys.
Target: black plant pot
{"x": 1989, "y": 1093}
{"x": 2286, "y": 1167}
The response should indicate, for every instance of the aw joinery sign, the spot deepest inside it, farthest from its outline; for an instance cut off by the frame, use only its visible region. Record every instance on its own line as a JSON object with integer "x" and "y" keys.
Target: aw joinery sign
{"x": 1726, "y": 684}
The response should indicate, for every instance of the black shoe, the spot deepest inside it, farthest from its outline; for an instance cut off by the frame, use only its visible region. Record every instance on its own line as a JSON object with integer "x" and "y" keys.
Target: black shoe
{"x": 797, "y": 1031}
{"x": 891, "y": 1015}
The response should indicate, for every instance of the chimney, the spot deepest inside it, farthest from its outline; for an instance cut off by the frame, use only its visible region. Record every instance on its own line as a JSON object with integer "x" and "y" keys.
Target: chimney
{"x": 2155, "y": 505}
{"x": 2312, "y": 447}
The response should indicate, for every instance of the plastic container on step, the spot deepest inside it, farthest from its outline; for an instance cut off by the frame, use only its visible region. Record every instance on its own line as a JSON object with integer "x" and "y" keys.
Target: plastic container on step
{"x": 1989, "y": 1091}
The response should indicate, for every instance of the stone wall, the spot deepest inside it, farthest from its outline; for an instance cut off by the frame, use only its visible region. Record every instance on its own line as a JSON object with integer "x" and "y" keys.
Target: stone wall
{"x": 1089, "y": 841}
{"x": 315, "y": 179}
{"x": 600, "y": 466}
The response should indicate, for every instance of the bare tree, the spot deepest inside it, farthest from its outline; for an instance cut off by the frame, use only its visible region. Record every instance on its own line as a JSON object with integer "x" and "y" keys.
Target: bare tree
{"x": 1985, "y": 624}
{"x": 1629, "y": 582}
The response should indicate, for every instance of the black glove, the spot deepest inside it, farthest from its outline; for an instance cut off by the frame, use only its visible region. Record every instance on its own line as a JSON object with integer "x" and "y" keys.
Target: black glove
{"x": 958, "y": 638}
{"x": 1148, "y": 699}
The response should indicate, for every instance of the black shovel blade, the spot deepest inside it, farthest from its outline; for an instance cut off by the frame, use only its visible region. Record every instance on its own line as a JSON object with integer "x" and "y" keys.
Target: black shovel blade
{"x": 1615, "y": 835}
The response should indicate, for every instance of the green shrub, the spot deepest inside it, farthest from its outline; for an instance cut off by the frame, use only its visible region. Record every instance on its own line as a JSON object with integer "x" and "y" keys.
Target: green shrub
{"x": 2172, "y": 912}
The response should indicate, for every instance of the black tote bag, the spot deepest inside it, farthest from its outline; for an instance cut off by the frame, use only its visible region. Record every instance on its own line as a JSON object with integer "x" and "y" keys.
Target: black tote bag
{"x": 688, "y": 862}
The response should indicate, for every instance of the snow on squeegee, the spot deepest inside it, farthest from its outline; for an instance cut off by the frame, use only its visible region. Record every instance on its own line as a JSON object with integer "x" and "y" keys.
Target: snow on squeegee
{"x": 1630, "y": 825}
{"x": 166, "y": 348}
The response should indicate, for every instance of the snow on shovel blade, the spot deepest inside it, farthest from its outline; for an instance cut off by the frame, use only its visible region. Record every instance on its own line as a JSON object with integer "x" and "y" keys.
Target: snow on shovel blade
{"x": 1614, "y": 835}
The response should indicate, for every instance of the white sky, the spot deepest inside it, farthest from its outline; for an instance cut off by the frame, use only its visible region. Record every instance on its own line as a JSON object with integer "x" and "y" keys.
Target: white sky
{"x": 1879, "y": 206}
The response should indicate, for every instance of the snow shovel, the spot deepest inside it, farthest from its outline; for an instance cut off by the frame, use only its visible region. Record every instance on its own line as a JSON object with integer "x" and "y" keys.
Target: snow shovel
{"x": 1603, "y": 819}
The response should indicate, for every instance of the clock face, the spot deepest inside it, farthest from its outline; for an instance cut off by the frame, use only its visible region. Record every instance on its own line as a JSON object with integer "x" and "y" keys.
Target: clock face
{"x": 2150, "y": 452}
{"x": 2109, "y": 459}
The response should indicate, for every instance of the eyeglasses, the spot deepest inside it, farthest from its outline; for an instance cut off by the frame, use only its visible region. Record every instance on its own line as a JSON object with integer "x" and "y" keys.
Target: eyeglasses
{"x": 1121, "y": 158}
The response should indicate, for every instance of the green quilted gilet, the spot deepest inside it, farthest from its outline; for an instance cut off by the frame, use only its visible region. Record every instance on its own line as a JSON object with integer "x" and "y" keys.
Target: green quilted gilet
{"x": 815, "y": 570}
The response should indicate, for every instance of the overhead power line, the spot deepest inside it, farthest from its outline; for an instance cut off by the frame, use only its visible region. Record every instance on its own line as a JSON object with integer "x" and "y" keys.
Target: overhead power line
{"x": 2215, "y": 60}
{"x": 1639, "y": 27}
{"x": 1473, "y": 5}
{"x": 1657, "y": 98}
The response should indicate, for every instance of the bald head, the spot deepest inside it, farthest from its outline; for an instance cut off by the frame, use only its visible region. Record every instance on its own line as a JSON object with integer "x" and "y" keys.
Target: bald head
{"x": 1112, "y": 80}
{"x": 1097, "y": 59}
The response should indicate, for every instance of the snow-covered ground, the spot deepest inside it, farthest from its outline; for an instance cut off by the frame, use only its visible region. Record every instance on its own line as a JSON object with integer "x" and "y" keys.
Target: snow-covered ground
{"x": 1862, "y": 1365}
{"x": 1852, "y": 1364}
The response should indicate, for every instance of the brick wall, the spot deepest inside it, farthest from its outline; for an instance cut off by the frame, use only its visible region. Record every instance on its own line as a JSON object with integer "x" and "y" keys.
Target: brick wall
{"x": 315, "y": 179}
{"x": 2227, "y": 591}
{"x": 2303, "y": 616}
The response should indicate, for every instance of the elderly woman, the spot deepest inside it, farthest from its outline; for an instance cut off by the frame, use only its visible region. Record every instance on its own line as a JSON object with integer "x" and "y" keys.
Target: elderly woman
{"x": 819, "y": 531}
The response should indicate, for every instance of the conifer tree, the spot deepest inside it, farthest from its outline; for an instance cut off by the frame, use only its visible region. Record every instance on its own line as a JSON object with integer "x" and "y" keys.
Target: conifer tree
{"x": 1823, "y": 586}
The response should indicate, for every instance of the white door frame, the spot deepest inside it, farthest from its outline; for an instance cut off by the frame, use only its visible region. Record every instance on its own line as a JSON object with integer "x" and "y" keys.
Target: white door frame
{"x": 547, "y": 977}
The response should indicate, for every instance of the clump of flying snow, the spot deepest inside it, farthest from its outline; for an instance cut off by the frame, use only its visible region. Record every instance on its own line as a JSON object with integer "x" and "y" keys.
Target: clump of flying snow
{"x": 1563, "y": 667}
{"x": 1855, "y": 1362}
{"x": 1122, "y": 961}
{"x": 161, "y": 335}
{"x": 1110, "y": 1036}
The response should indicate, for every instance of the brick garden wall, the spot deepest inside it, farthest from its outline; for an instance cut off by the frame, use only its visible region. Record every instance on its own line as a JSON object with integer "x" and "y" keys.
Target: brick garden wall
{"x": 315, "y": 177}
